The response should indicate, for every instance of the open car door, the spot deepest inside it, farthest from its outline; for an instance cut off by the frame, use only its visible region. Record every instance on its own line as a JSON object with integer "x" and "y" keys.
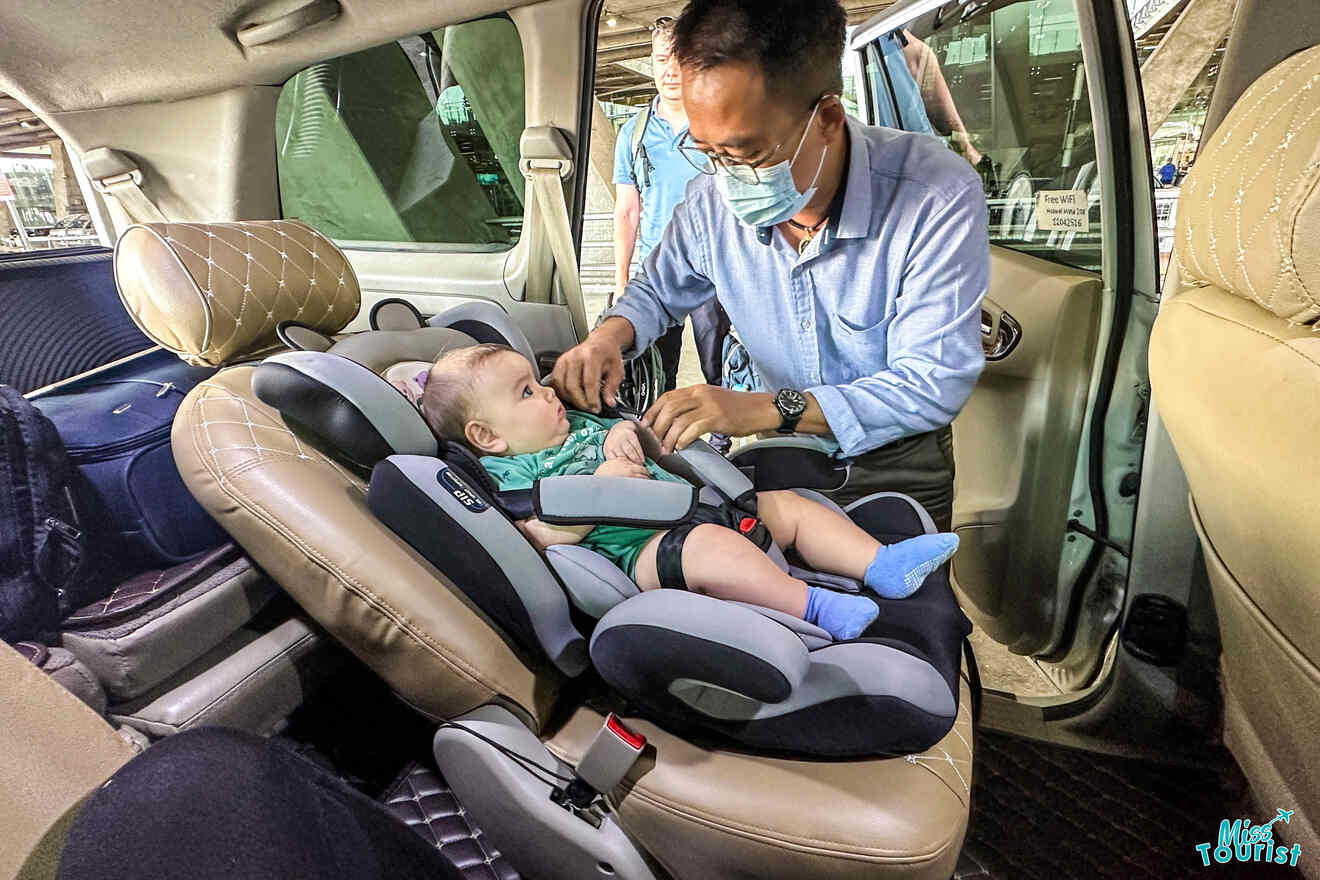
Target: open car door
{"x": 1042, "y": 98}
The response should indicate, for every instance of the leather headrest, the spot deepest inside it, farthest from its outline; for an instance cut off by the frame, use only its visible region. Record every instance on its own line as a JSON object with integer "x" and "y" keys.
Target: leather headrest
{"x": 1249, "y": 214}
{"x": 214, "y": 292}
{"x": 351, "y": 409}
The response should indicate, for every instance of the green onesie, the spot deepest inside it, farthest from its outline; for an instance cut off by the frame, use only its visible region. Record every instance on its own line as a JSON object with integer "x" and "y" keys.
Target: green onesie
{"x": 581, "y": 453}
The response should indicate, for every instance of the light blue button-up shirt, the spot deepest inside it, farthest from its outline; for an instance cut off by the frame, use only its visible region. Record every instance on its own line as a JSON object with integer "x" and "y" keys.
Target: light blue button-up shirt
{"x": 879, "y": 319}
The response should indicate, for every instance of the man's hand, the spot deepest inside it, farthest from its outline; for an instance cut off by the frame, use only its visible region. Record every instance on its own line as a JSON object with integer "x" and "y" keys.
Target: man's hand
{"x": 683, "y": 415}
{"x": 623, "y": 442}
{"x": 622, "y": 467}
{"x": 592, "y": 370}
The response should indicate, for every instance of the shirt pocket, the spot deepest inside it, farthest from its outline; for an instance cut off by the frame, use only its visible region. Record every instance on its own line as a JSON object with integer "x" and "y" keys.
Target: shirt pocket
{"x": 862, "y": 322}
{"x": 862, "y": 311}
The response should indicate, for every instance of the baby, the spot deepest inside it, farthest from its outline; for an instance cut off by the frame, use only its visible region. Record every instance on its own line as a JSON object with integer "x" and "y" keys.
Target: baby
{"x": 488, "y": 398}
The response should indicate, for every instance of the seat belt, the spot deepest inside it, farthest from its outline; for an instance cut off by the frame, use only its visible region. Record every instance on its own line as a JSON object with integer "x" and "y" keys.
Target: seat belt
{"x": 116, "y": 175}
{"x": 546, "y": 174}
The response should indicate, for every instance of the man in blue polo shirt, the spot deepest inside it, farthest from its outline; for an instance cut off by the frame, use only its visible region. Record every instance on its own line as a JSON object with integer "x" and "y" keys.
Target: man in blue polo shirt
{"x": 650, "y": 176}
{"x": 852, "y": 259}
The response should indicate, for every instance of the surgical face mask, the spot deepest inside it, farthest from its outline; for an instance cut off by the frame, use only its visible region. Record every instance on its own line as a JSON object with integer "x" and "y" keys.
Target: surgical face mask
{"x": 775, "y": 198}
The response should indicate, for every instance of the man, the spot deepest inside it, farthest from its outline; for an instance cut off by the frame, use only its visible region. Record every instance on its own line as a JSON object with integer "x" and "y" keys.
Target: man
{"x": 1168, "y": 172}
{"x": 852, "y": 259}
{"x": 650, "y": 176}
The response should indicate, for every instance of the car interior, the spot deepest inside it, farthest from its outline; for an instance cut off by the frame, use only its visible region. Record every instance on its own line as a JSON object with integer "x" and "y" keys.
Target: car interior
{"x": 293, "y": 197}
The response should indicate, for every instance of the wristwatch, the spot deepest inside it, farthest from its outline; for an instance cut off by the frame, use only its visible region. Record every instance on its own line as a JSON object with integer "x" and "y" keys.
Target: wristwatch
{"x": 791, "y": 405}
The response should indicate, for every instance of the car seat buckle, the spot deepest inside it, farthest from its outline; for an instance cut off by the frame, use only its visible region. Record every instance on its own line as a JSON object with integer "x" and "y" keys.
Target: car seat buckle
{"x": 606, "y": 762}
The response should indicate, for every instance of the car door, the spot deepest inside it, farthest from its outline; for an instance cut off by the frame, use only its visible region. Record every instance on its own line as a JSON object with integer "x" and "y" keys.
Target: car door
{"x": 1041, "y": 97}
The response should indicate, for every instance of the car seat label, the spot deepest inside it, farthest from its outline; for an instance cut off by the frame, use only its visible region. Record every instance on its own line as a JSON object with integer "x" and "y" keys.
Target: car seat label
{"x": 1064, "y": 209}
{"x": 461, "y": 490}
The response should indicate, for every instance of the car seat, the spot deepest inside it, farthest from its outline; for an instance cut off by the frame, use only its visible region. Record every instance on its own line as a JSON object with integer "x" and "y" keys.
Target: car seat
{"x": 759, "y": 677}
{"x": 1234, "y": 360}
{"x": 696, "y": 804}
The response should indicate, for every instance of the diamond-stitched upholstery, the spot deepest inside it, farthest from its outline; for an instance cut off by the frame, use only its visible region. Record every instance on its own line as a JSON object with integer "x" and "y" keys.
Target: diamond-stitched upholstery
{"x": 212, "y": 292}
{"x": 1250, "y": 211}
{"x": 32, "y": 652}
{"x": 421, "y": 799}
{"x": 149, "y": 588}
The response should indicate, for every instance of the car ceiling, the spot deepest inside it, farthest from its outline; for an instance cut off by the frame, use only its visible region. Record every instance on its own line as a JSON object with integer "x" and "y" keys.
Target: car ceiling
{"x": 63, "y": 55}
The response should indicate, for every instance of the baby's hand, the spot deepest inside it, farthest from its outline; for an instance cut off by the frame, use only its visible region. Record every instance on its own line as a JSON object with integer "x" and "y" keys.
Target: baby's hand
{"x": 622, "y": 443}
{"x": 622, "y": 467}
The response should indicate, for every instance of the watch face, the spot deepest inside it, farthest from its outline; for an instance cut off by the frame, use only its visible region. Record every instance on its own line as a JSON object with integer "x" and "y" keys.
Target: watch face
{"x": 791, "y": 403}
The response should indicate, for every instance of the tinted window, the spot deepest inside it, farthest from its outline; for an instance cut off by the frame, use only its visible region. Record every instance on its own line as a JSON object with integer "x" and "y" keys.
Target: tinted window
{"x": 1007, "y": 90}
{"x": 413, "y": 141}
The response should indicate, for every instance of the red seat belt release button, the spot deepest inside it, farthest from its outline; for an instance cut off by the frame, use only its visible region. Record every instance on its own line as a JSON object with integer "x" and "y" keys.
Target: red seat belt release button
{"x": 746, "y": 524}
{"x": 615, "y": 726}
{"x": 610, "y": 756}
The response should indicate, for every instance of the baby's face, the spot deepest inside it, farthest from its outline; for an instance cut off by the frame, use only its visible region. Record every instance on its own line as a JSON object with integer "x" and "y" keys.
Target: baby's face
{"x": 523, "y": 413}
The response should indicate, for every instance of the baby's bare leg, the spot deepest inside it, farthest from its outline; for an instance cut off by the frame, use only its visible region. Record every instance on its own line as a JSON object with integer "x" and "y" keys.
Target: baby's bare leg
{"x": 825, "y": 540}
{"x": 720, "y": 562}
{"x": 832, "y": 543}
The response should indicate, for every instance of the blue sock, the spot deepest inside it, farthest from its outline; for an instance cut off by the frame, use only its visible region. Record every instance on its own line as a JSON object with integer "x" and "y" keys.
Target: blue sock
{"x": 899, "y": 569}
{"x": 842, "y": 615}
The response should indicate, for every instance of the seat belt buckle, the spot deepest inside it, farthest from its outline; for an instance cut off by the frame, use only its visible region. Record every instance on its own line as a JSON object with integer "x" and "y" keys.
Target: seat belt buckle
{"x": 754, "y": 530}
{"x": 606, "y": 762}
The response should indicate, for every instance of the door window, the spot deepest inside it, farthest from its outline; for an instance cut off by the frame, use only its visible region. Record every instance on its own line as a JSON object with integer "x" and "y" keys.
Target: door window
{"x": 413, "y": 141}
{"x": 1006, "y": 89}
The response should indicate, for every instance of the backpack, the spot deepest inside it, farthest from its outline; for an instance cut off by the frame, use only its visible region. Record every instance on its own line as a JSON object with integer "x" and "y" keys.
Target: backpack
{"x": 637, "y": 150}
{"x": 43, "y": 552}
{"x": 739, "y": 373}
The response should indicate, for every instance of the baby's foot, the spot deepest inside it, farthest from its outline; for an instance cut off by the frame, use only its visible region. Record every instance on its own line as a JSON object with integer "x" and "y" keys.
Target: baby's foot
{"x": 842, "y": 615}
{"x": 899, "y": 569}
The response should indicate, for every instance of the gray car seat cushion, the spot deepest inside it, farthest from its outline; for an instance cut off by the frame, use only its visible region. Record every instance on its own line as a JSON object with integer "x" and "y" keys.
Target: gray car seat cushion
{"x": 846, "y": 670}
{"x": 811, "y": 635}
{"x": 542, "y": 608}
{"x": 386, "y": 410}
{"x": 688, "y": 635}
{"x": 593, "y": 582}
{"x": 380, "y": 350}
{"x": 486, "y": 322}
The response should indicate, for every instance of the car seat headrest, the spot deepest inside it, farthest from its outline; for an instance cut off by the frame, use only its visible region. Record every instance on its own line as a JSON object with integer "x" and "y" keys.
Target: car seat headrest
{"x": 395, "y": 314}
{"x": 381, "y": 349}
{"x": 1249, "y": 213}
{"x": 347, "y": 406}
{"x": 214, "y": 292}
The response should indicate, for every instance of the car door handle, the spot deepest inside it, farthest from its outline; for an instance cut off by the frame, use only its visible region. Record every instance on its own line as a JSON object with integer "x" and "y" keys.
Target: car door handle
{"x": 1000, "y": 331}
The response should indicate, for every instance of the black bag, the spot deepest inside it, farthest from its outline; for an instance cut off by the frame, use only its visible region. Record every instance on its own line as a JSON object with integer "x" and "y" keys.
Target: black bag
{"x": 43, "y": 550}
{"x": 116, "y": 428}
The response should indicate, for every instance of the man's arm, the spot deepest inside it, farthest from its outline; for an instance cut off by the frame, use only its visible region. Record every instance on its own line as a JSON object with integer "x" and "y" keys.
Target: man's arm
{"x": 674, "y": 282}
{"x": 672, "y": 285}
{"x": 934, "y": 340}
{"x": 627, "y": 217}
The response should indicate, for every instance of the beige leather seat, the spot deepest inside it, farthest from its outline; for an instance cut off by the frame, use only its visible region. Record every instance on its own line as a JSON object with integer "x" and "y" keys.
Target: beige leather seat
{"x": 215, "y": 293}
{"x": 54, "y": 751}
{"x": 1235, "y": 365}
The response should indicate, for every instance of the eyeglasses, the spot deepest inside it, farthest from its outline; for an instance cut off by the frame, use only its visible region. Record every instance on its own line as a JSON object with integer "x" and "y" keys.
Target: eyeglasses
{"x": 707, "y": 162}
